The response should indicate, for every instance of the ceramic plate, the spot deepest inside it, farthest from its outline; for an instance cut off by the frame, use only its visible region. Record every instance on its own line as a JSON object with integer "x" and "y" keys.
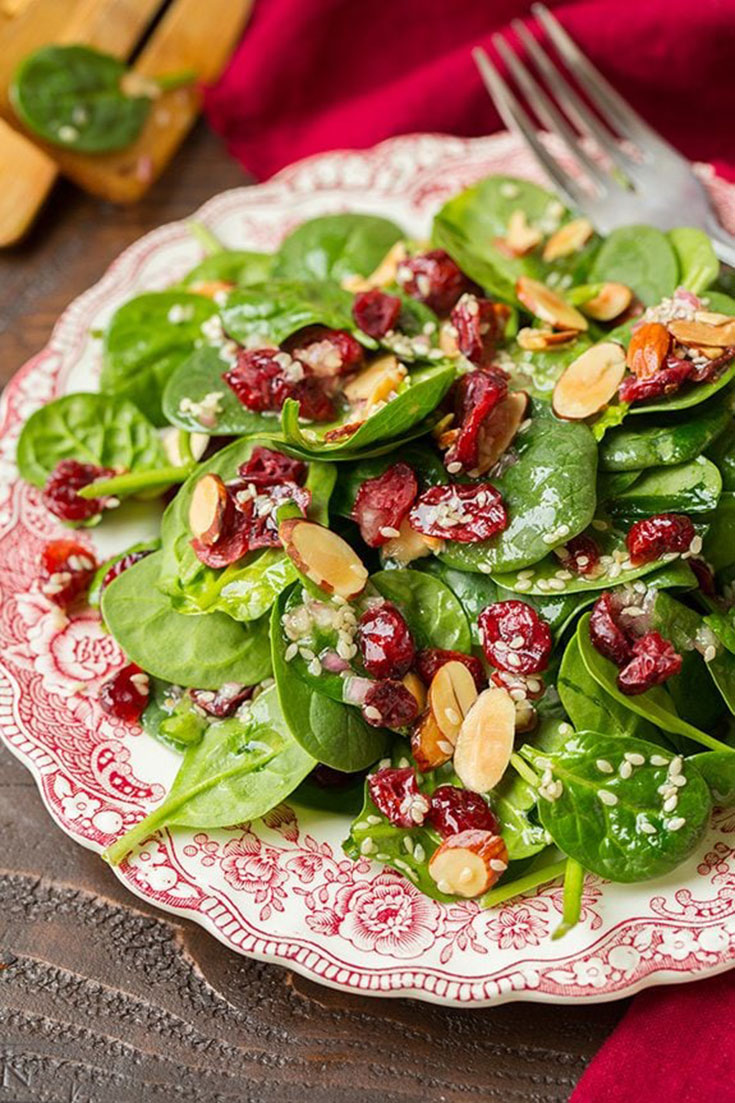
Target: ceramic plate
{"x": 280, "y": 889}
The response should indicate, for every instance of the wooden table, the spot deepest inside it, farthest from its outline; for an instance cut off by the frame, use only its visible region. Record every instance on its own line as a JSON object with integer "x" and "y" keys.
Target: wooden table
{"x": 105, "y": 1000}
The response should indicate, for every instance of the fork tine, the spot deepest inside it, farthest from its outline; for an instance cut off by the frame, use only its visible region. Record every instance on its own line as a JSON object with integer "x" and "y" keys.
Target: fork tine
{"x": 516, "y": 119}
{"x": 569, "y": 100}
{"x": 546, "y": 111}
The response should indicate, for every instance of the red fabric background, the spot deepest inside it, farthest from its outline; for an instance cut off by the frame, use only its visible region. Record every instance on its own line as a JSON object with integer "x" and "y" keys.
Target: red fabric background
{"x": 312, "y": 75}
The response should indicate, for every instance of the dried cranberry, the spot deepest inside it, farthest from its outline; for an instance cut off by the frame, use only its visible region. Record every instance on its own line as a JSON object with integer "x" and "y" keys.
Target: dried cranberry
{"x": 375, "y": 312}
{"x": 476, "y": 396}
{"x": 267, "y": 467}
{"x": 252, "y": 524}
{"x": 674, "y": 373}
{"x": 314, "y": 403}
{"x": 389, "y": 704}
{"x": 480, "y": 325}
{"x": 580, "y": 554}
{"x": 704, "y": 575}
{"x": 383, "y": 502}
{"x": 434, "y": 658}
{"x": 607, "y": 633}
{"x": 433, "y": 278}
{"x": 468, "y": 513}
{"x": 66, "y": 571}
{"x": 262, "y": 379}
{"x": 125, "y": 695}
{"x": 224, "y": 701}
{"x": 706, "y": 372}
{"x": 60, "y": 492}
{"x": 656, "y": 536}
{"x": 396, "y": 794}
{"x": 385, "y": 641}
{"x": 654, "y": 660}
{"x": 514, "y": 637}
{"x": 454, "y": 810}
{"x": 120, "y": 565}
{"x": 229, "y": 548}
{"x": 328, "y": 353}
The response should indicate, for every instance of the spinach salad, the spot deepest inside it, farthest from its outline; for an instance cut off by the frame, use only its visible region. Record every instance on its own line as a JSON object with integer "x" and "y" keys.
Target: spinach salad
{"x": 448, "y": 544}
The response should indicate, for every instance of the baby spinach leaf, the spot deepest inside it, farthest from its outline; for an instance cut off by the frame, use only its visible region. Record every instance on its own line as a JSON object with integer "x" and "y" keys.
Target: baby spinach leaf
{"x": 548, "y": 492}
{"x": 198, "y": 379}
{"x": 691, "y": 394}
{"x": 240, "y": 770}
{"x": 719, "y": 540}
{"x": 91, "y": 428}
{"x": 343, "y": 798}
{"x": 655, "y": 442}
{"x": 615, "y": 825}
{"x": 641, "y": 257}
{"x": 94, "y": 594}
{"x": 239, "y": 266}
{"x": 204, "y": 652}
{"x": 330, "y": 731}
{"x": 692, "y": 487}
{"x": 433, "y": 613}
{"x": 166, "y": 702}
{"x": 718, "y": 301}
{"x": 718, "y": 770}
{"x": 147, "y": 338}
{"x": 683, "y": 627}
{"x": 723, "y": 626}
{"x": 698, "y": 263}
{"x": 514, "y": 800}
{"x": 539, "y": 372}
{"x": 722, "y": 452}
{"x": 270, "y": 312}
{"x": 334, "y": 246}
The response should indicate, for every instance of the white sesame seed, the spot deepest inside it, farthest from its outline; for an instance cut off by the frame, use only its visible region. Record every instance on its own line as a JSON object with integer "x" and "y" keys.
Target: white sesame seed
{"x": 670, "y": 803}
{"x": 679, "y": 781}
{"x": 625, "y": 769}
{"x": 675, "y": 766}
{"x": 389, "y": 532}
{"x": 512, "y": 659}
{"x": 444, "y": 887}
{"x": 445, "y": 747}
{"x": 291, "y": 652}
{"x": 497, "y": 865}
{"x": 371, "y": 713}
{"x": 604, "y": 766}
{"x": 549, "y": 538}
{"x": 710, "y": 653}
{"x": 367, "y": 846}
{"x": 454, "y": 467}
{"x": 419, "y": 853}
{"x": 647, "y": 828}
{"x": 465, "y": 875}
{"x": 607, "y": 797}
{"x": 658, "y": 760}
{"x": 675, "y": 824}
{"x": 634, "y": 758}
{"x": 523, "y": 585}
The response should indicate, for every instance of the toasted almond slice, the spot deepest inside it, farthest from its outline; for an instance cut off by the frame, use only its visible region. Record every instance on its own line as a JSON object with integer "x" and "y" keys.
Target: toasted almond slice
{"x": 375, "y": 382}
{"x": 649, "y": 346}
{"x": 520, "y": 236}
{"x": 545, "y": 304}
{"x": 590, "y": 382}
{"x": 568, "y": 239}
{"x": 414, "y": 685}
{"x": 710, "y": 354}
{"x": 383, "y": 275}
{"x": 409, "y": 545}
{"x": 208, "y": 509}
{"x": 691, "y": 334}
{"x": 485, "y": 740}
{"x": 498, "y": 431}
{"x": 429, "y": 746}
{"x": 324, "y": 557}
{"x": 451, "y": 695}
{"x": 536, "y": 340}
{"x": 712, "y": 317}
{"x": 468, "y": 863}
{"x": 608, "y": 303}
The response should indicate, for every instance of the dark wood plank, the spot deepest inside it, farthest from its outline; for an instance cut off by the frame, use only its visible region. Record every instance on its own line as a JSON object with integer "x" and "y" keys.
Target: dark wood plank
{"x": 104, "y": 999}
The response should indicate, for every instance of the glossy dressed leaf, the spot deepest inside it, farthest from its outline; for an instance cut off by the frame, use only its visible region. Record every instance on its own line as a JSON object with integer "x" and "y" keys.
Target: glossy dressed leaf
{"x": 722, "y": 452}
{"x": 432, "y": 611}
{"x": 719, "y": 540}
{"x": 683, "y": 627}
{"x": 204, "y": 652}
{"x": 658, "y": 442}
{"x": 199, "y": 377}
{"x": 142, "y": 346}
{"x": 171, "y": 718}
{"x": 718, "y": 770}
{"x": 698, "y": 263}
{"x": 549, "y": 494}
{"x": 692, "y": 487}
{"x": 723, "y": 626}
{"x": 514, "y": 800}
{"x": 240, "y": 770}
{"x": 642, "y": 258}
{"x": 605, "y": 833}
{"x": 334, "y": 246}
{"x": 238, "y": 266}
{"x": 270, "y": 312}
{"x": 91, "y": 428}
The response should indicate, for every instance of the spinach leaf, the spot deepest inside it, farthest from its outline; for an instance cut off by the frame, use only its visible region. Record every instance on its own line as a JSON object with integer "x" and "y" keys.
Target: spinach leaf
{"x": 722, "y": 452}
{"x": 91, "y": 428}
{"x": 171, "y": 717}
{"x": 433, "y": 613}
{"x": 334, "y": 246}
{"x": 549, "y": 493}
{"x": 691, "y": 394}
{"x": 143, "y": 346}
{"x": 615, "y": 825}
{"x": 197, "y": 380}
{"x": 641, "y": 257}
{"x": 683, "y": 627}
{"x": 698, "y": 263}
{"x": 330, "y": 731}
{"x": 514, "y": 800}
{"x": 716, "y": 300}
{"x": 239, "y": 266}
{"x": 692, "y": 487}
{"x": 539, "y": 372}
{"x": 204, "y": 652}
{"x": 240, "y": 770}
{"x": 719, "y": 540}
{"x": 94, "y": 594}
{"x": 656, "y": 442}
{"x": 718, "y": 770}
{"x": 723, "y": 626}
{"x": 343, "y": 797}
{"x": 270, "y": 312}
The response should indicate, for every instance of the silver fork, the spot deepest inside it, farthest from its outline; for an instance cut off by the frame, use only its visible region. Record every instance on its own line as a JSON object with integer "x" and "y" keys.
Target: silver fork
{"x": 631, "y": 173}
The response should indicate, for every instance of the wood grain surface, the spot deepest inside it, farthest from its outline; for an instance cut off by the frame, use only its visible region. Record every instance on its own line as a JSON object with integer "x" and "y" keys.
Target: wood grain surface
{"x": 105, "y": 1000}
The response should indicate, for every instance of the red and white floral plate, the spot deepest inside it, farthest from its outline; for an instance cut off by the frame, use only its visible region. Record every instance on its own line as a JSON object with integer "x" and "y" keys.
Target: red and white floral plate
{"x": 281, "y": 889}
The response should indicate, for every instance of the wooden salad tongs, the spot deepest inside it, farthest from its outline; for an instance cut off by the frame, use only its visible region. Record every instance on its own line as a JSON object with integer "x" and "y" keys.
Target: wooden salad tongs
{"x": 191, "y": 34}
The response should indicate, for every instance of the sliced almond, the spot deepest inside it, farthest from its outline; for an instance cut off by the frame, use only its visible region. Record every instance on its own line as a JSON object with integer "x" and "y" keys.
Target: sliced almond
{"x": 712, "y": 317}
{"x": 691, "y": 334}
{"x": 383, "y": 275}
{"x": 416, "y": 687}
{"x": 210, "y": 288}
{"x": 649, "y": 346}
{"x": 708, "y": 353}
{"x": 545, "y": 304}
{"x": 323, "y": 557}
{"x": 468, "y": 863}
{"x": 409, "y": 545}
{"x": 498, "y": 431}
{"x": 376, "y": 382}
{"x": 485, "y": 740}
{"x": 521, "y": 237}
{"x": 429, "y": 746}
{"x": 536, "y": 340}
{"x": 590, "y": 382}
{"x": 608, "y": 303}
{"x": 208, "y": 509}
{"x": 568, "y": 239}
{"x": 452, "y": 694}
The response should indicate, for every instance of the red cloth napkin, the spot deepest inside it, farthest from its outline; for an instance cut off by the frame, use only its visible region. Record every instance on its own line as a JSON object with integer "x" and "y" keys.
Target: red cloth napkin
{"x": 313, "y": 75}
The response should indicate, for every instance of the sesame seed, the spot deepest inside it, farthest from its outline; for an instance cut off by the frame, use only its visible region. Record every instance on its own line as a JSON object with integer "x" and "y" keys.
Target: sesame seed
{"x": 634, "y": 758}
{"x": 658, "y": 760}
{"x": 710, "y": 653}
{"x": 419, "y": 853}
{"x": 389, "y": 532}
{"x": 452, "y": 715}
{"x": 512, "y": 659}
{"x": 607, "y": 797}
{"x": 367, "y": 846}
{"x": 466, "y": 875}
{"x": 625, "y": 769}
{"x": 675, "y": 824}
{"x": 444, "y": 887}
{"x": 670, "y": 803}
{"x": 544, "y": 763}
{"x": 497, "y": 865}
{"x": 647, "y": 828}
{"x": 523, "y": 585}
{"x": 675, "y": 766}
{"x": 604, "y": 766}
{"x": 679, "y": 780}
{"x": 371, "y": 713}
{"x": 549, "y": 538}
{"x": 534, "y": 685}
